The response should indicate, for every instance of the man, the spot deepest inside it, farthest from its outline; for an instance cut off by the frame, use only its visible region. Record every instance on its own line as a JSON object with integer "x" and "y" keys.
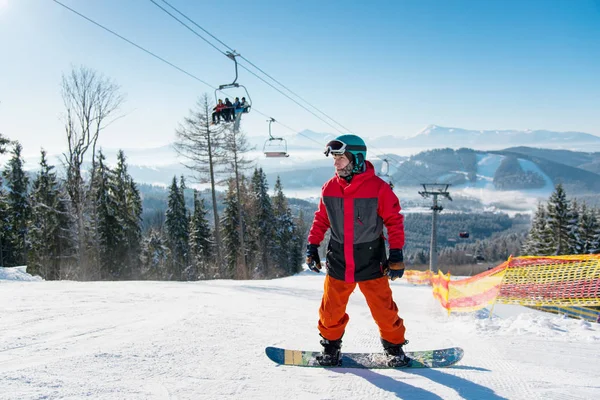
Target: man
{"x": 356, "y": 204}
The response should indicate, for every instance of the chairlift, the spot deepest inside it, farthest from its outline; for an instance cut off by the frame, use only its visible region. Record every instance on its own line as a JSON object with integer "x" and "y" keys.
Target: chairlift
{"x": 385, "y": 172}
{"x": 275, "y": 147}
{"x": 385, "y": 168}
{"x": 246, "y": 109}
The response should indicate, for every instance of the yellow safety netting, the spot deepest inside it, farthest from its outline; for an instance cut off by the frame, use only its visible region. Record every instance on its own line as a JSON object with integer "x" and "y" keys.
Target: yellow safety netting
{"x": 532, "y": 281}
{"x": 552, "y": 281}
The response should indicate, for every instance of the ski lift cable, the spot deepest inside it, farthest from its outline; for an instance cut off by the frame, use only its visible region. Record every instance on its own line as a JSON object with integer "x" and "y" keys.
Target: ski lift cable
{"x": 133, "y": 44}
{"x": 259, "y": 77}
{"x": 170, "y": 63}
{"x": 245, "y": 59}
{"x": 241, "y": 65}
{"x": 249, "y": 62}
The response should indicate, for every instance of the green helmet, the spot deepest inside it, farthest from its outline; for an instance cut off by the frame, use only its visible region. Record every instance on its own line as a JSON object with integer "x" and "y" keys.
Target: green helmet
{"x": 351, "y": 144}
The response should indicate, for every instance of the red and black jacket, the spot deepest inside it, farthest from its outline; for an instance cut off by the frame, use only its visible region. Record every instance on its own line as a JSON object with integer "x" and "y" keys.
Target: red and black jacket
{"x": 356, "y": 212}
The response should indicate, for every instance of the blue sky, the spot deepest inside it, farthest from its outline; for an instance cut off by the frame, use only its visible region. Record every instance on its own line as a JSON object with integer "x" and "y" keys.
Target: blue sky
{"x": 378, "y": 68}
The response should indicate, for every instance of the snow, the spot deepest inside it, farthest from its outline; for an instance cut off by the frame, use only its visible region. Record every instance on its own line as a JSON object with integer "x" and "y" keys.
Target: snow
{"x": 206, "y": 340}
{"x": 17, "y": 274}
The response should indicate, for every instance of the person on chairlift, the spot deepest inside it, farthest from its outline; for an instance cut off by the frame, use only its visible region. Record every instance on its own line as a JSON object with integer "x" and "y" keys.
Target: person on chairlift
{"x": 228, "y": 110}
{"x": 218, "y": 112}
{"x": 244, "y": 105}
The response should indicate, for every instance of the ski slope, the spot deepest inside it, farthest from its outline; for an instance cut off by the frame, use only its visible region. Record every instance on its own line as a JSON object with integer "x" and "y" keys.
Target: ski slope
{"x": 206, "y": 340}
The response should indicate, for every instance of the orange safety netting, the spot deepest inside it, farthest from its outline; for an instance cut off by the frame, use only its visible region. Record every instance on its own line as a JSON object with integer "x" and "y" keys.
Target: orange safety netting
{"x": 418, "y": 277}
{"x": 531, "y": 281}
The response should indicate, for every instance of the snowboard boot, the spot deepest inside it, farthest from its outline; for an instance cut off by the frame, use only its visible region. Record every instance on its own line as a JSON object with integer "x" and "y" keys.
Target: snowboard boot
{"x": 396, "y": 356}
{"x": 332, "y": 351}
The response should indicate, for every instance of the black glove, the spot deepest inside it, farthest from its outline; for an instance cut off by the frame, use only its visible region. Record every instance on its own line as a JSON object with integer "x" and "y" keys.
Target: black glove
{"x": 312, "y": 257}
{"x": 395, "y": 267}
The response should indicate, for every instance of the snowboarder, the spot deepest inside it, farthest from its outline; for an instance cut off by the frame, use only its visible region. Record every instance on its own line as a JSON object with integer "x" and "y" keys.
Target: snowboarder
{"x": 355, "y": 204}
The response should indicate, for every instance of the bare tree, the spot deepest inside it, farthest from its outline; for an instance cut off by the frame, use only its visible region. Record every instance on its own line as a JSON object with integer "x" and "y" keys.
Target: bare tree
{"x": 236, "y": 145}
{"x": 201, "y": 144}
{"x": 91, "y": 101}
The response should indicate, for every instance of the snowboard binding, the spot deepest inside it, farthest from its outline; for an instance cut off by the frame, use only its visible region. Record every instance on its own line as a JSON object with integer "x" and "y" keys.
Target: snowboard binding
{"x": 395, "y": 354}
{"x": 332, "y": 353}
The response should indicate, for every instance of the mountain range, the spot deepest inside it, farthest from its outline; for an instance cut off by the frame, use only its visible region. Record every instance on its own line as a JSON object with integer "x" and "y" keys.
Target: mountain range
{"x": 526, "y": 161}
{"x": 434, "y": 136}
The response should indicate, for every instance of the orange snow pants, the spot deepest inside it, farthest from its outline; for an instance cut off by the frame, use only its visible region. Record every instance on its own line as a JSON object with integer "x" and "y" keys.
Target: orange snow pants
{"x": 332, "y": 314}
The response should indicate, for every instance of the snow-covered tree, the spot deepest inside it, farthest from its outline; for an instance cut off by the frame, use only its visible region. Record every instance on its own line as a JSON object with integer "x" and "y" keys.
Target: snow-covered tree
{"x": 201, "y": 241}
{"x": 588, "y": 230}
{"x": 177, "y": 229}
{"x": 261, "y": 222}
{"x": 129, "y": 208}
{"x": 155, "y": 256}
{"x": 230, "y": 223}
{"x": 109, "y": 234}
{"x": 17, "y": 199}
{"x": 540, "y": 241}
{"x": 288, "y": 240}
{"x": 50, "y": 226}
{"x": 575, "y": 243}
{"x": 558, "y": 220}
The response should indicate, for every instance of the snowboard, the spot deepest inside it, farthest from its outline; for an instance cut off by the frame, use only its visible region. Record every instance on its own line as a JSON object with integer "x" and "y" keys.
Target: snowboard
{"x": 419, "y": 359}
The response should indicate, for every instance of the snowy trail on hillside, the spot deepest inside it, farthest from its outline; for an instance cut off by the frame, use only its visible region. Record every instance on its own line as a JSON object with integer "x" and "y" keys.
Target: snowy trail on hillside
{"x": 206, "y": 340}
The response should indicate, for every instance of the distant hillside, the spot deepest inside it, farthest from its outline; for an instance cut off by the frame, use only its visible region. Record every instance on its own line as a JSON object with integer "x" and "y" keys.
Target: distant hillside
{"x": 587, "y": 161}
{"x": 575, "y": 180}
{"x": 499, "y": 170}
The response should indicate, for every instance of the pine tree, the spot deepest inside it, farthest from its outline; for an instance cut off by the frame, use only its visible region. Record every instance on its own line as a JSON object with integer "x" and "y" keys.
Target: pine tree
{"x": 155, "y": 256}
{"x": 588, "y": 230}
{"x": 50, "y": 225}
{"x": 558, "y": 219}
{"x": 230, "y": 222}
{"x": 3, "y": 209}
{"x": 575, "y": 244}
{"x": 3, "y": 142}
{"x": 4, "y": 228}
{"x": 595, "y": 248}
{"x": 18, "y": 209}
{"x": 262, "y": 221}
{"x": 286, "y": 236}
{"x": 129, "y": 207}
{"x": 201, "y": 243}
{"x": 540, "y": 241}
{"x": 177, "y": 229}
{"x": 110, "y": 235}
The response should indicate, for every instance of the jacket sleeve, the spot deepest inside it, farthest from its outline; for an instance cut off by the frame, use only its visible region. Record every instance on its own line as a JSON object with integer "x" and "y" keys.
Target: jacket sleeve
{"x": 320, "y": 225}
{"x": 389, "y": 210}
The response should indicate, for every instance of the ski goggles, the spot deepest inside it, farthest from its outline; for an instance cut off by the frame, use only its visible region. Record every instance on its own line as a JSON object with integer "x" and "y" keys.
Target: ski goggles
{"x": 337, "y": 147}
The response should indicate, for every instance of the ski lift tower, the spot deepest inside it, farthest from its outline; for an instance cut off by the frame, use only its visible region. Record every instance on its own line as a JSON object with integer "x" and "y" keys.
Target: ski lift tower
{"x": 434, "y": 190}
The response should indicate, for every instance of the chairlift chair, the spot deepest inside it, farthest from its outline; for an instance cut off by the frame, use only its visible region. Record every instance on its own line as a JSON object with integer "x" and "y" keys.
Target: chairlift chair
{"x": 384, "y": 172}
{"x": 275, "y": 147}
{"x": 236, "y": 117}
{"x": 385, "y": 168}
